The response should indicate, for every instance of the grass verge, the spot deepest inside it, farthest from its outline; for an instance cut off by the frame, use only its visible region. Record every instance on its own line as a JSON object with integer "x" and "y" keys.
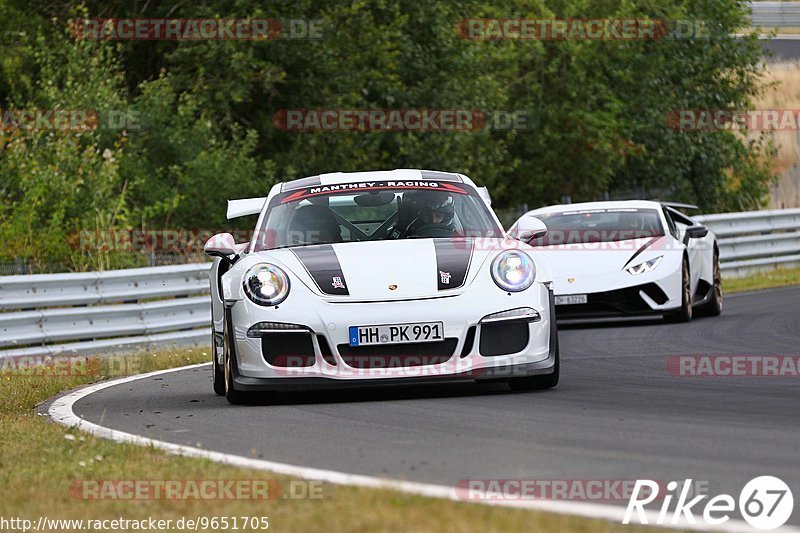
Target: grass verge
{"x": 41, "y": 461}
{"x": 782, "y": 277}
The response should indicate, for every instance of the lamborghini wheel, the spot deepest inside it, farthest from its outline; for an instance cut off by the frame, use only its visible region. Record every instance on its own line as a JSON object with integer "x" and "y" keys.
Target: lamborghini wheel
{"x": 684, "y": 314}
{"x": 714, "y": 306}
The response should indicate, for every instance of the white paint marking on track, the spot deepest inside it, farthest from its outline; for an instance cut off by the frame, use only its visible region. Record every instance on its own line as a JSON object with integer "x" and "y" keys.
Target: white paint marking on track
{"x": 61, "y": 411}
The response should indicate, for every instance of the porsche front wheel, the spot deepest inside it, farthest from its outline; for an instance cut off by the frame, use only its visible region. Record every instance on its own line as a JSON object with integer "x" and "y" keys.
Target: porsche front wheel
{"x": 234, "y": 397}
{"x": 217, "y": 370}
{"x": 547, "y": 381}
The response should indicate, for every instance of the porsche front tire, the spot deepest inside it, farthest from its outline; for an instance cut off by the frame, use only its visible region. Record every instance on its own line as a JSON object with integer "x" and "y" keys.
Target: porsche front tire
{"x": 235, "y": 397}
{"x": 547, "y": 381}
{"x": 217, "y": 369}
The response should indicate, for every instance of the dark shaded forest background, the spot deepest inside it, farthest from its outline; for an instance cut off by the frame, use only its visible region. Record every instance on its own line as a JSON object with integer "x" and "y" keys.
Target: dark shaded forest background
{"x": 596, "y": 111}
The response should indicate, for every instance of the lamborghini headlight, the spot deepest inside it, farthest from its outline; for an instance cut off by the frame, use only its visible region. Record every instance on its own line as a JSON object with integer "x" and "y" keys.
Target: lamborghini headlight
{"x": 266, "y": 284}
{"x": 647, "y": 266}
{"x": 513, "y": 271}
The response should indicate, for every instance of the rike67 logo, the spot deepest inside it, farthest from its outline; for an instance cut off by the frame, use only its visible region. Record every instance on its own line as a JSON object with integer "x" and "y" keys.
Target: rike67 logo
{"x": 765, "y": 503}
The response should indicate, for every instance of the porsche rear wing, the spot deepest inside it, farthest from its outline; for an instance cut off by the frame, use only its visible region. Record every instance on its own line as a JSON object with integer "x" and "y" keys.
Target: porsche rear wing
{"x": 676, "y": 205}
{"x": 244, "y": 207}
{"x": 484, "y": 192}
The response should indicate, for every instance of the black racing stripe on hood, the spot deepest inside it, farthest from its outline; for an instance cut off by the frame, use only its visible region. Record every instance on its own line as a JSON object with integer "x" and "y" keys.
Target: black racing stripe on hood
{"x": 323, "y": 266}
{"x": 453, "y": 257}
{"x": 644, "y": 247}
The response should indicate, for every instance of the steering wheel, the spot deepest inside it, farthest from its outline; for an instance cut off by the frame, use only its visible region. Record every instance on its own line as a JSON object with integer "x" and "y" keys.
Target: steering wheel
{"x": 403, "y": 234}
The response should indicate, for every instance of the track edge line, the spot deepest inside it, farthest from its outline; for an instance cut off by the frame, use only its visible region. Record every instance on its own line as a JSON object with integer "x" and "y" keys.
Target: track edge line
{"x": 60, "y": 411}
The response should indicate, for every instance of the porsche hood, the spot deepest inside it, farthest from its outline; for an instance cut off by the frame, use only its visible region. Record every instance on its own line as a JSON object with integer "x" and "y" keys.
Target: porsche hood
{"x": 381, "y": 270}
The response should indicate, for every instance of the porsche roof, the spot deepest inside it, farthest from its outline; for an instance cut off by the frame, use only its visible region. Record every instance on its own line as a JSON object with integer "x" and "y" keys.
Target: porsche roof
{"x": 400, "y": 174}
{"x": 251, "y": 206}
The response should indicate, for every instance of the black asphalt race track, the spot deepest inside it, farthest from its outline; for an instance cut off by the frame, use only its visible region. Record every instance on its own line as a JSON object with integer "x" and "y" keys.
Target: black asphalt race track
{"x": 617, "y": 414}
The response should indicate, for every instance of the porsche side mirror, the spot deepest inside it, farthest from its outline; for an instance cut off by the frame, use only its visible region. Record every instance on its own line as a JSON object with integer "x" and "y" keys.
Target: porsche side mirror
{"x": 528, "y": 228}
{"x": 221, "y": 245}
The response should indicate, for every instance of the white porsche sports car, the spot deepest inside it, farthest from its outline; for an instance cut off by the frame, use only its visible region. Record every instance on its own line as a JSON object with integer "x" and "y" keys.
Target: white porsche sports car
{"x": 379, "y": 277}
{"x": 629, "y": 258}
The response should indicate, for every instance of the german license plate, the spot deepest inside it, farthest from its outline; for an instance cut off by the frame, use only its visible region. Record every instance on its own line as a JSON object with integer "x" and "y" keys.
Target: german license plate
{"x": 396, "y": 333}
{"x": 572, "y": 299}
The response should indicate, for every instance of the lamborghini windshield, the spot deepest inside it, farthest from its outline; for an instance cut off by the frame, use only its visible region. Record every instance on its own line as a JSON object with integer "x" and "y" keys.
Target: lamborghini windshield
{"x": 599, "y": 225}
{"x": 374, "y": 211}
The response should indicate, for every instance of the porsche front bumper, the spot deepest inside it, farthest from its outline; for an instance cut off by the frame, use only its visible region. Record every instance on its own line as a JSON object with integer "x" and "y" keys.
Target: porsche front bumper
{"x": 475, "y": 348}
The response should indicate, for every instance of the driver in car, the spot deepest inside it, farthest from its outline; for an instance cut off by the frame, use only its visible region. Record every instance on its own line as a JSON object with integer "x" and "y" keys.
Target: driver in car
{"x": 637, "y": 227}
{"x": 435, "y": 214}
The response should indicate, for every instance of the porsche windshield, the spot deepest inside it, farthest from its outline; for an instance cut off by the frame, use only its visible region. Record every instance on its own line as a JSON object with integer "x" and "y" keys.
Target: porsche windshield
{"x": 599, "y": 225}
{"x": 374, "y": 213}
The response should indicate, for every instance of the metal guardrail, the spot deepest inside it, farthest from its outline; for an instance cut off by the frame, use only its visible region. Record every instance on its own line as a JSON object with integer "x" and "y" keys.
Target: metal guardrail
{"x": 99, "y": 312}
{"x": 775, "y": 14}
{"x": 756, "y": 240}
{"x": 121, "y": 310}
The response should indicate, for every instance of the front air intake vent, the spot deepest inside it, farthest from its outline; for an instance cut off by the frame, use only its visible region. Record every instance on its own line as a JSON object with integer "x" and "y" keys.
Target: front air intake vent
{"x": 288, "y": 350}
{"x": 503, "y": 338}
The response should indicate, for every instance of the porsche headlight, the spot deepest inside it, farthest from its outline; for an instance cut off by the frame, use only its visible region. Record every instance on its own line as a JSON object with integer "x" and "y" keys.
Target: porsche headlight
{"x": 266, "y": 284}
{"x": 647, "y": 266}
{"x": 513, "y": 271}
